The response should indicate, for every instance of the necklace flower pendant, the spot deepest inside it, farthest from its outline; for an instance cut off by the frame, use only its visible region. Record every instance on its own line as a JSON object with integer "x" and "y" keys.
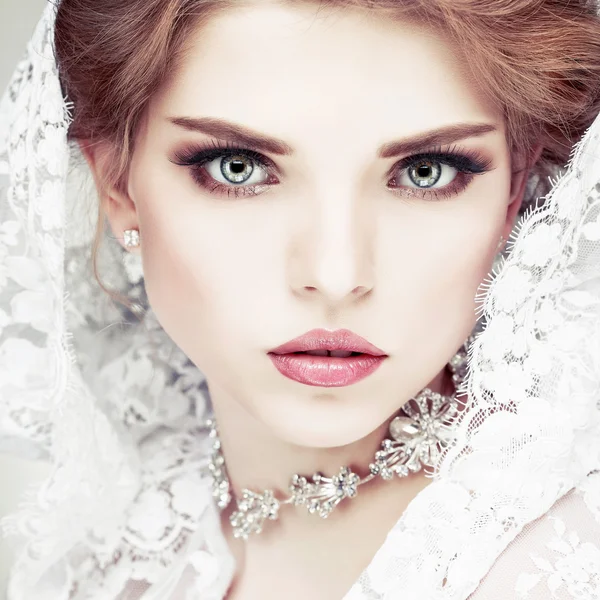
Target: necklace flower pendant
{"x": 252, "y": 511}
{"x": 323, "y": 494}
{"x": 423, "y": 428}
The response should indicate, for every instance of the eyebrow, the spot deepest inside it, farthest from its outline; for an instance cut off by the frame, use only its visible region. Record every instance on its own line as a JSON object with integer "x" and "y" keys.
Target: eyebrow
{"x": 436, "y": 137}
{"x": 228, "y": 131}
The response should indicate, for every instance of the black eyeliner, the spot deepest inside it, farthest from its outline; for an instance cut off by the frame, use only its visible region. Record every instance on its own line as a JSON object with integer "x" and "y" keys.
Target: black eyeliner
{"x": 465, "y": 161}
{"x": 199, "y": 156}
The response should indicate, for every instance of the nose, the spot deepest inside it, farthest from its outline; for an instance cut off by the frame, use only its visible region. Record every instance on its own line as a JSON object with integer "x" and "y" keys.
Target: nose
{"x": 331, "y": 254}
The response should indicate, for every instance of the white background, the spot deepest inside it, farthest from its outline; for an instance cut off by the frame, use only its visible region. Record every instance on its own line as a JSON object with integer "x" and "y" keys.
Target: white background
{"x": 17, "y": 21}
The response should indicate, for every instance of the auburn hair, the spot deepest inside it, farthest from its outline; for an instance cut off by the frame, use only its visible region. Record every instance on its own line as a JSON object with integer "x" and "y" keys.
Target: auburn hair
{"x": 539, "y": 60}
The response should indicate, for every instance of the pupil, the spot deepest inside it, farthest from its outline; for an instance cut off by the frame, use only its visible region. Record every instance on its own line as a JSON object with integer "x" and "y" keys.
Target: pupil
{"x": 237, "y": 166}
{"x": 425, "y": 173}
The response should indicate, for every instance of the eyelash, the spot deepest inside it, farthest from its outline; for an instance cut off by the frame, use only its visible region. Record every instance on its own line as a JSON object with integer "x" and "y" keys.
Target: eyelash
{"x": 468, "y": 163}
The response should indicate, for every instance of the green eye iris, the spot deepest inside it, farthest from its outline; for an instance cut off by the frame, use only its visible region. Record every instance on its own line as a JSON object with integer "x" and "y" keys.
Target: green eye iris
{"x": 425, "y": 173}
{"x": 237, "y": 169}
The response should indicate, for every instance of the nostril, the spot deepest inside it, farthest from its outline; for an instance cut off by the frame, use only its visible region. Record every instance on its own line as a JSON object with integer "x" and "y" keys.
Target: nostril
{"x": 360, "y": 289}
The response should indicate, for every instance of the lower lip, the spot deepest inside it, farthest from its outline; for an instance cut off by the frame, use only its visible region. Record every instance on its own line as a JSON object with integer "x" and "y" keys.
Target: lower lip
{"x": 326, "y": 371}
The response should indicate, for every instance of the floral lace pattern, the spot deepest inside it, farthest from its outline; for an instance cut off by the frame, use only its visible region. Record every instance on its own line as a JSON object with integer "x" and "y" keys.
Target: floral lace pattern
{"x": 556, "y": 556}
{"x": 62, "y": 347}
{"x": 108, "y": 398}
{"x": 575, "y": 567}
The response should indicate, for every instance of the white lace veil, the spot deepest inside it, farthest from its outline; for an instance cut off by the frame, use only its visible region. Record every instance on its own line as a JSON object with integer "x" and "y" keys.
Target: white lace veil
{"x": 83, "y": 381}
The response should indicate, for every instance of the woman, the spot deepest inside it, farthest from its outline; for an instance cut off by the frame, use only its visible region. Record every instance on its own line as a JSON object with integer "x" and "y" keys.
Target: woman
{"x": 295, "y": 179}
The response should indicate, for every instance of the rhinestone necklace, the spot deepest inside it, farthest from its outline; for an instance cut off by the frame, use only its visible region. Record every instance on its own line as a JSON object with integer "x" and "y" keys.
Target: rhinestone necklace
{"x": 423, "y": 427}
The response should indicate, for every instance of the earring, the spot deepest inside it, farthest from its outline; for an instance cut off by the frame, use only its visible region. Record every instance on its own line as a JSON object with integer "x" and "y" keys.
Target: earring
{"x": 131, "y": 238}
{"x": 500, "y": 243}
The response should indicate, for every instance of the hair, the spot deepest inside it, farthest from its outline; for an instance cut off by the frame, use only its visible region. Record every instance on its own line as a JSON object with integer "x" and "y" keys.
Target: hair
{"x": 539, "y": 60}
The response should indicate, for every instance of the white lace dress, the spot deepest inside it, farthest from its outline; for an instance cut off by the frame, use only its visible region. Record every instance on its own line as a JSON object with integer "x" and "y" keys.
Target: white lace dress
{"x": 114, "y": 406}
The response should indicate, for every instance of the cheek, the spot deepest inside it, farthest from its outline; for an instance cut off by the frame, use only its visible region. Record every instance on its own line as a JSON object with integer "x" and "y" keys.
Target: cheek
{"x": 443, "y": 255}
{"x": 466, "y": 246}
{"x": 178, "y": 258}
{"x": 206, "y": 267}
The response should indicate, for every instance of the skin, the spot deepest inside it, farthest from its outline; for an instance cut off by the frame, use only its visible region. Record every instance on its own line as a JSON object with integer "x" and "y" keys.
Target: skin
{"x": 329, "y": 245}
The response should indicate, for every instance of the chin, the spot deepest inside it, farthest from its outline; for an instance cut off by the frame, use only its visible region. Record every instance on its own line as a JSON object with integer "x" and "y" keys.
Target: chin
{"x": 322, "y": 420}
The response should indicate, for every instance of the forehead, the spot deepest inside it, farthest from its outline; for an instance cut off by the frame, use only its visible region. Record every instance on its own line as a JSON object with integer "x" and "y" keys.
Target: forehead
{"x": 279, "y": 68}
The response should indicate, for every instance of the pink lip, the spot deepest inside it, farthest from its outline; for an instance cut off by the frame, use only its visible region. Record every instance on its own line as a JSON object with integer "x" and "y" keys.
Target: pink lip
{"x": 321, "y": 339}
{"x": 327, "y": 371}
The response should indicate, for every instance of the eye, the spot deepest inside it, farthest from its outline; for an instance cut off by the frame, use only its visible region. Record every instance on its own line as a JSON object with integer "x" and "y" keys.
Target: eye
{"x": 437, "y": 174}
{"x": 226, "y": 170}
{"x": 236, "y": 169}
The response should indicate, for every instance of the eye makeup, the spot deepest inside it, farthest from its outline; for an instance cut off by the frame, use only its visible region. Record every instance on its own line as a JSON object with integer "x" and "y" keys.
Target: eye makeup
{"x": 197, "y": 157}
{"x": 465, "y": 163}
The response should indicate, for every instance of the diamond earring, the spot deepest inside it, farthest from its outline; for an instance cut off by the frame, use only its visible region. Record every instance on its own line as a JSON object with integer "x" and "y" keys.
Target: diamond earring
{"x": 131, "y": 238}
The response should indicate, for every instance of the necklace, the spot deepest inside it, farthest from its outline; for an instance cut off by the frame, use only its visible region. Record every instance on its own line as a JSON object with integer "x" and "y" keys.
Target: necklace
{"x": 422, "y": 428}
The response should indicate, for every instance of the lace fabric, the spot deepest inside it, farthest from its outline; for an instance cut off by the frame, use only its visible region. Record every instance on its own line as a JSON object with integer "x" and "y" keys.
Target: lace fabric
{"x": 110, "y": 401}
{"x": 556, "y": 556}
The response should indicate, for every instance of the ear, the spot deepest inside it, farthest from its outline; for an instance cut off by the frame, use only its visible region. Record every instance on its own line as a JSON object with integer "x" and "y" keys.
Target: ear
{"x": 116, "y": 204}
{"x": 518, "y": 185}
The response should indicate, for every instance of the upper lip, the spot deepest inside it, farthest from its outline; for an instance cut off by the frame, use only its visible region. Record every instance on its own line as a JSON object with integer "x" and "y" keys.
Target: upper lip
{"x": 321, "y": 339}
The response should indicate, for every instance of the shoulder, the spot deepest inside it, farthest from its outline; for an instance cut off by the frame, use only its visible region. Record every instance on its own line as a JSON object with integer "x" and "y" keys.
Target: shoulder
{"x": 554, "y": 557}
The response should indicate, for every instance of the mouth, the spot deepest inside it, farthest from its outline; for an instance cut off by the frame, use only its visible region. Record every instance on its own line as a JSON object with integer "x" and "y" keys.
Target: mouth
{"x": 327, "y": 359}
{"x": 334, "y": 353}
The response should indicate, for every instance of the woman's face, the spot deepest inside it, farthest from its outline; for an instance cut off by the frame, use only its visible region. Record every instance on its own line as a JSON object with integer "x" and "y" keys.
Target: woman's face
{"x": 307, "y": 170}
